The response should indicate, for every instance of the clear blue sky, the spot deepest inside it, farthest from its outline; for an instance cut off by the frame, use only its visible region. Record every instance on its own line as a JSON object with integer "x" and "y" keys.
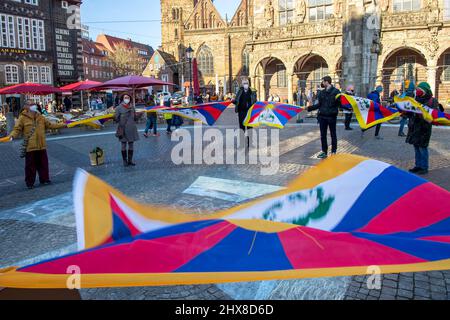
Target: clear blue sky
{"x": 118, "y": 10}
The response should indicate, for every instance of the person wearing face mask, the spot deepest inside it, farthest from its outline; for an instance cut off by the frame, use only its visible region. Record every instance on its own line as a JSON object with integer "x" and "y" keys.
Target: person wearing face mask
{"x": 32, "y": 125}
{"x": 420, "y": 131}
{"x": 245, "y": 99}
{"x": 328, "y": 106}
{"x": 127, "y": 131}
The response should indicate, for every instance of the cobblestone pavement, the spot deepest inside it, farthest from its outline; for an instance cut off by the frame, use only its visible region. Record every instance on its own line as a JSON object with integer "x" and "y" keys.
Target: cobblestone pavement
{"x": 39, "y": 224}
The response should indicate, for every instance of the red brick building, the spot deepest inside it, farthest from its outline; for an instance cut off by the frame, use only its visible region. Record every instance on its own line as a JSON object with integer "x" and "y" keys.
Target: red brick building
{"x": 110, "y": 43}
{"x": 97, "y": 66}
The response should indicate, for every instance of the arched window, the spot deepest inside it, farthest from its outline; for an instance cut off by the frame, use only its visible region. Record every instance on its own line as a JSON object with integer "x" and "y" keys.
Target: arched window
{"x": 245, "y": 62}
{"x": 206, "y": 61}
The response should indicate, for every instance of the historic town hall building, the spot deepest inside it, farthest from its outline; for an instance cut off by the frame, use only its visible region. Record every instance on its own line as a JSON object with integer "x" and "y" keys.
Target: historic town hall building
{"x": 288, "y": 45}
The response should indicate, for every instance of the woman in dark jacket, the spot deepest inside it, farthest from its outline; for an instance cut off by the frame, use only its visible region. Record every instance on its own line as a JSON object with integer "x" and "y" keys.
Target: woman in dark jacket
{"x": 127, "y": 131}
{"x": 419, "y": 130}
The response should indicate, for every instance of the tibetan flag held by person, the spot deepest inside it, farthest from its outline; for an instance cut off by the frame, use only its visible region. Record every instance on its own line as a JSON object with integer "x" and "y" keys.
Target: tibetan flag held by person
{"x": 207, "y": 113}
{"x": 270, "y": 114}
{"x": 368, "y": 112}
{"x": 98, "y": 121}
{"x": 153, "y": 109}
{"x": 436, "y": 117}
{"x": 338, "y": 219}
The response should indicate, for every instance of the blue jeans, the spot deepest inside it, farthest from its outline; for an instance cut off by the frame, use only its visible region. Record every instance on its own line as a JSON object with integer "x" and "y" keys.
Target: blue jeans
{"x": 403, "y": 122}
{"x": 422, "y": 158}
{"x": 151, "y": 123}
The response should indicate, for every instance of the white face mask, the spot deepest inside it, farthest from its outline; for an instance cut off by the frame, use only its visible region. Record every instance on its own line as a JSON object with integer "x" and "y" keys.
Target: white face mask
{"x": 126, "y": 101}
{"x": 246, "y": 86}
{"x": 34, "y": 108}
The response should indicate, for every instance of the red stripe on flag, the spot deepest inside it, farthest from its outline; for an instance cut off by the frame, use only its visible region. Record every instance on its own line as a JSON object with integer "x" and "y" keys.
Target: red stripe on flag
{"x": 445, "y": 239}
{"x": 141, "y": 256}
{"x": 312, "y": 248}
{"x": 419, "y": 208}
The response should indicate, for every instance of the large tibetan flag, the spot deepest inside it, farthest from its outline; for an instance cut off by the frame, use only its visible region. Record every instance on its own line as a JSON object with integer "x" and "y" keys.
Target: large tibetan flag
{"x": 270, "y": 114}
{"x": 95, "y": 122}
{"x": 338, "y": 219}
{"x": 368, "y": 112}
{"x": 436, "y": 117}
{"x": 207, "y": 113}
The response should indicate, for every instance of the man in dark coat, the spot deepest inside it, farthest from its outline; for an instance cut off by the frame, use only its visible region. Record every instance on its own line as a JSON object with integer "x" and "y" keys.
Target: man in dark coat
{"x": 245, "y": 99}
{"x": 67, "y": 104}
{"x": 328, "y": 106}
{"x": 419, "y": 130}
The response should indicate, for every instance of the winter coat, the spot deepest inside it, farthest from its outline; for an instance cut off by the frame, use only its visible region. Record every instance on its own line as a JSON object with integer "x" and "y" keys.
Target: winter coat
{"x": 242, "y": 108}
{"x": 126, "y": 118}
{"x": 419, "y": 130}
{"x": 27, "y": 120}
{"x": 327, "y": 105}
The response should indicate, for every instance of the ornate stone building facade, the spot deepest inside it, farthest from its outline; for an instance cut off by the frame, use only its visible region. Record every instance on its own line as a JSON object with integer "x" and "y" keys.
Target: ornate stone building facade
{"x": 288, "y": 45}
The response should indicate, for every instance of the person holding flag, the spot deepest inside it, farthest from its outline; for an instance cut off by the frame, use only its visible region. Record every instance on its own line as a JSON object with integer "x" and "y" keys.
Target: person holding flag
{"x": 419, "y": 130}
{"x": 32, "y": 125}
{"x": 328, "y": 105}
{"x": 375, "y": 96}
{"x": 245, "y": 99}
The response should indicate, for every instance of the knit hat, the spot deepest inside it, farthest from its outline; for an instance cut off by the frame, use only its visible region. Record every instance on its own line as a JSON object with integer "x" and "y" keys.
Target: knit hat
{"x": 426, "y": 88}
{"x": 379, "y": 89}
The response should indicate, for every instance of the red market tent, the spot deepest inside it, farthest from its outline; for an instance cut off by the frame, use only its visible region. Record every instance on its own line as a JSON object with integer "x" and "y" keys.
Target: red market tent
{"x": 30, "y": 89}
{"x": 80, "y": 86}
{"x": 132, "y": 83}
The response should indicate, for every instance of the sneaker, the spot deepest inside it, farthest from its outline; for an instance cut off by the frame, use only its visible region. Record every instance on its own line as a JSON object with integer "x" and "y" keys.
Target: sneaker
{"x": 146, "y": 135}
{"x": 415, "y": 169}
{"x": 322, "y": 155}
{"x": 156, "y": 135}
{"x": 349, "y": 129}
{"x": 422, "y": 172}
{"x": 402, "y": 135}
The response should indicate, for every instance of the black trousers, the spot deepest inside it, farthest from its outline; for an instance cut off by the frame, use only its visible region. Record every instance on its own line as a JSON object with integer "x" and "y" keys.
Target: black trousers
{"x": 325, "y": 124}
{"x": 348, "y": 120}
{"x": 36, "y": 161}
{"x": 242, "y": 116}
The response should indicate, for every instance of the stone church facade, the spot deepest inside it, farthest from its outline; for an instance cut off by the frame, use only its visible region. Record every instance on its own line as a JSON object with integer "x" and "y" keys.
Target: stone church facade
{"x": 285, "y": 46}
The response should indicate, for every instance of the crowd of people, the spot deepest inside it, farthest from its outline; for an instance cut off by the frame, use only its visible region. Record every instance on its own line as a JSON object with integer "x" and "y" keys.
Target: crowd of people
{"x": 32, "y": 124}
{"x": 419, "y": 130}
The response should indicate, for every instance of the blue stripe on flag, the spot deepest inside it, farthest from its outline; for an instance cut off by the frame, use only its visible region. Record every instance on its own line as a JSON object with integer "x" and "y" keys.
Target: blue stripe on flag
{"x": 378, "y": 196}
{"x": 242, "y": 251}
{"x": 427, "y": 250}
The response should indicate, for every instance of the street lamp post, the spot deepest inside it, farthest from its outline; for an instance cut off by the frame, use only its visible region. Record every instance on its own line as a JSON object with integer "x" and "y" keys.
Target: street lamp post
{"x": 190, "y": 55}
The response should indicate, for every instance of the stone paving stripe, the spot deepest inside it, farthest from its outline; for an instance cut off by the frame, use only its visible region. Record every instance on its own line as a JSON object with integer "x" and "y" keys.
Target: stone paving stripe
{"x": 229, "y": 190}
